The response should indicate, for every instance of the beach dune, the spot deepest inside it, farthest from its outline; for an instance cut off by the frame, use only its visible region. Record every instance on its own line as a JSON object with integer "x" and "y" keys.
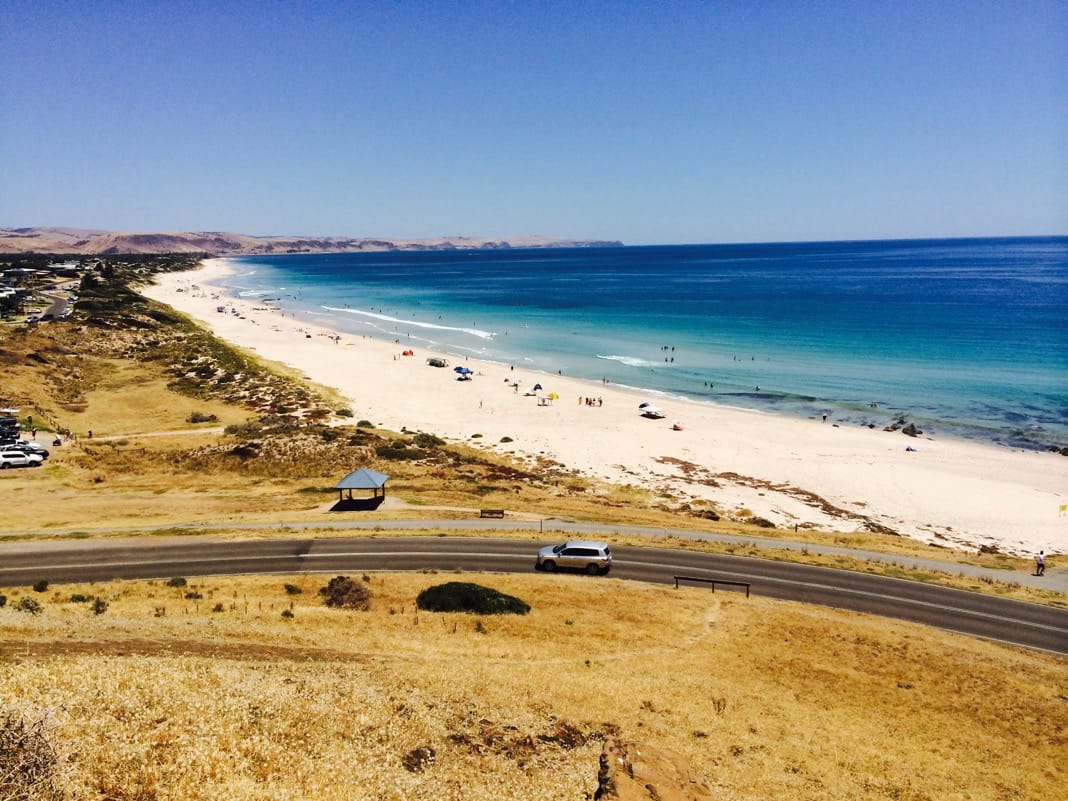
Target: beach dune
{"x": 791, "y": 472}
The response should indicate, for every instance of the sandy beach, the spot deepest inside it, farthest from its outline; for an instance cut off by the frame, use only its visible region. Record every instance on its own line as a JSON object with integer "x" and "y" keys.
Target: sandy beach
{"x": 805, "y": 473}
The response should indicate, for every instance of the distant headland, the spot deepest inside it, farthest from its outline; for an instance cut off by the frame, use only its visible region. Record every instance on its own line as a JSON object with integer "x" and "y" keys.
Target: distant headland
{"x": 93, "y": 242}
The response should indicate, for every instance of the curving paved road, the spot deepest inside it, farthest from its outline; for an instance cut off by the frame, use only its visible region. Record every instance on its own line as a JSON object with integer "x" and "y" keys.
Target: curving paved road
{"x": 1014, "y": 622}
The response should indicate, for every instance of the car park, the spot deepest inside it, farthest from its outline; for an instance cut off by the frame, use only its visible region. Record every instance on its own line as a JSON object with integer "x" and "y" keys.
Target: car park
{"x": 588, "y": 556}
{"x": 12, "y": 458}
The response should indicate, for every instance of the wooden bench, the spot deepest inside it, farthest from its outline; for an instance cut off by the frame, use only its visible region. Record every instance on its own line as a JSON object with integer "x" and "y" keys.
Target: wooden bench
{"x": 491, "y": 513}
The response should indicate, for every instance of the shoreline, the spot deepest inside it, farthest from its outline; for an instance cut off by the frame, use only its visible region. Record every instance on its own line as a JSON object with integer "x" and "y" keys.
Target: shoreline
{"x": 747, "y": 463}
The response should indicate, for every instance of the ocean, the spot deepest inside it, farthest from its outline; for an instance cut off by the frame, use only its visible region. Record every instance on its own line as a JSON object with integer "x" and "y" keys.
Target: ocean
{"x": 963, "y": 338}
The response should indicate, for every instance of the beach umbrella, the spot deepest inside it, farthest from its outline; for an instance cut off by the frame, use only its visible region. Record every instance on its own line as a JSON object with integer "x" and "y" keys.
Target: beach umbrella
{"x": 537, "y": 387}
{"x": 553, "y": 396}
{"x": 645, "y": 405}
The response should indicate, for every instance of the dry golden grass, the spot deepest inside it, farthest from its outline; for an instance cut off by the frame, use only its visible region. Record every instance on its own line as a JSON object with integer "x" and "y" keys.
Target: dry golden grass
{"x": 769, "y": 700}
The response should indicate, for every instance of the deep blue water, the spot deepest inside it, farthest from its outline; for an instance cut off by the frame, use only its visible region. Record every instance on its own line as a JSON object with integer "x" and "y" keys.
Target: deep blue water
{"x": 963, "y": 337}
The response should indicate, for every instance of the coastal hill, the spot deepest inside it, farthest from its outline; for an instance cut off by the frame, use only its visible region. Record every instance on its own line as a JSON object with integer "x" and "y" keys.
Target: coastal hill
{"x": 81, "y": 241}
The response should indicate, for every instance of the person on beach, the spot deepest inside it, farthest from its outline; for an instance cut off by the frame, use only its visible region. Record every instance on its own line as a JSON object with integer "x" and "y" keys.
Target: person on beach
{"x": 1040, "y": 564}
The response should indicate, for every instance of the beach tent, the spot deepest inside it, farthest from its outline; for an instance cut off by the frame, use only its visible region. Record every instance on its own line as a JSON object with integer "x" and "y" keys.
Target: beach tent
{"x": 650, "y": 411}
{"x": 362, "y": 479}
{"x": 537, "y": 387}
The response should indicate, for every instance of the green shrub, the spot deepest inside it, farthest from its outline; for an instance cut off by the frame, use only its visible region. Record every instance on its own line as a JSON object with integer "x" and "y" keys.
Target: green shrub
{"x": 100, "y": 606}
{"x": 3, "y": 601}
{"x": 344, "y": 593}
{"x": 31, "y": 605}
{"x": 287, "y": 614}
{"x": 427, "y": 441}
{"x": 395, "y": 454}
{"x": 506, "y": 439}
{"x": 78, "y": 598}
{"x": 40, "y": 586}
{"x": 177, "y": 581}
{"x": 344, "y": 412}
{"x": 193, "y": 595}
{"x": 248, "y": 451}
{"x": 200, "y": 417}
{"x": 364, "y": 424}
{"x": 462, "y": 596}
{"x": 293, "y": 589}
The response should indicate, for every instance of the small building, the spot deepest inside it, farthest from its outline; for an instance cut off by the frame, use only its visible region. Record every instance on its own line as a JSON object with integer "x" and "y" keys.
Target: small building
{"x": 362, "y": 479}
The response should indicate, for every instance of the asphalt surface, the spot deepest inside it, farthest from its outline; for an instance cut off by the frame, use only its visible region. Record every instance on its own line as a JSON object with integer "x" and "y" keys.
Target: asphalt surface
{"x": 63, "y": 561}
{"x": 1055, "y": 578}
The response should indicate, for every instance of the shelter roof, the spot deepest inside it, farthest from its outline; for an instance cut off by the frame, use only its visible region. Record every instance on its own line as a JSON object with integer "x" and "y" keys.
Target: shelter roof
{"x": 362, "y": 479}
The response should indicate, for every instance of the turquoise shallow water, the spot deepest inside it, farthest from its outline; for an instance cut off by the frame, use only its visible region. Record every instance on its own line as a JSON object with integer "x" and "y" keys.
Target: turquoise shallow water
{"x": 963, "y": 337}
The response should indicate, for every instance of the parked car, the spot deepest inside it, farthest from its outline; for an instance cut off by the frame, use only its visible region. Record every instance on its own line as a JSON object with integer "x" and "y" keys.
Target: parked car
{"x": 12, "y": 458}
{"x": 29, "y": 447}
{"x": 595, "y": 558}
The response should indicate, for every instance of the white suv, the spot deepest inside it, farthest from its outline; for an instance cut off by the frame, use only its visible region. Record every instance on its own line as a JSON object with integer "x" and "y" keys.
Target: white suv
{"x": 10, "y": 458}
{"x": 592, "y": 557}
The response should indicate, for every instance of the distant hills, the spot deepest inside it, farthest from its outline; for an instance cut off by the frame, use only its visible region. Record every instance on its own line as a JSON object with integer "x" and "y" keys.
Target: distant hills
{"x": 81, "y": 241}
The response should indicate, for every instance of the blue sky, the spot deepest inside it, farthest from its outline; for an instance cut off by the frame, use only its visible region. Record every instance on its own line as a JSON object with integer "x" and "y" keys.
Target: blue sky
{"x": 644, "y": 122}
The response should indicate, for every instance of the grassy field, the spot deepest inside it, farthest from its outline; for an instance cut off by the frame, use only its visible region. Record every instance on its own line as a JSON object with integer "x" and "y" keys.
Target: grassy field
{"x": 170, "y": 696}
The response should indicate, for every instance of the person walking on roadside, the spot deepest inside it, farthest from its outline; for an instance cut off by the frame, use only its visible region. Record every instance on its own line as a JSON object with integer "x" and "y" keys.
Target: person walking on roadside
{"x": 1040, "y": 564}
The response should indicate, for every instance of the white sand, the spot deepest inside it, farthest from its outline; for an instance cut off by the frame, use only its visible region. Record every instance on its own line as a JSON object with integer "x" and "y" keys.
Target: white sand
{"x": 955, "y": 493}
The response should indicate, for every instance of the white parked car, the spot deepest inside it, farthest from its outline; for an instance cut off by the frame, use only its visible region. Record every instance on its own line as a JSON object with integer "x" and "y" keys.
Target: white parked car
{"x": 594, "y": 558}
{"x": 19, "y": 459}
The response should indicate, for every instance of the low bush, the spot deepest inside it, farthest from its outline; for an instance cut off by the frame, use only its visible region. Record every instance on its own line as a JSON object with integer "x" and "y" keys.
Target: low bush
{"x": 78, "y": 598}
{"x": 193, "y": 595}
{"x": 29, "y": 764}
{"x": 344, "y": 593}
{"x": 427, "y": 440}
{"x": 100, "y": 606}
{"x": 343, "y": 412}
{"x": 40, "y": 586}
{"x": 3, "y": 601}
{"x": 394, "y": 454}
{"x": 200, "y": 417}
{"x": 177, "y": 581}
{"x": 364, "y": 424}
{"x": 293, "y": 589}
{"x": 463, "y": 596}
{"x": 30, "y": 605}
